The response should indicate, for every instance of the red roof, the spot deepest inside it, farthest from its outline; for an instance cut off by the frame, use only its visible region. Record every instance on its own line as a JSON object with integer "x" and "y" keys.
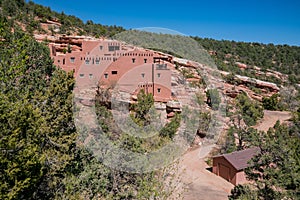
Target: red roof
{"x": 239, "y": 159}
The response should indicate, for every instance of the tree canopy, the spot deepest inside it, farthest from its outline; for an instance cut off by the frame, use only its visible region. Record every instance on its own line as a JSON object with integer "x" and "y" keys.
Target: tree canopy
{"x": 38, "y": 134}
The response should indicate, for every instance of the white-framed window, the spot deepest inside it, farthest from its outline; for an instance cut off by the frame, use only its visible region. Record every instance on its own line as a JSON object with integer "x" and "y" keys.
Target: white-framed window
{"x": 143, "y": 75}
{"x": 158, "y": 90}
{"x": 106, "y": 75}
{"x": 90, "y": 76}
{"x": 97, "y": 61}
{"x": 81, "y": 75}
{"x": 158, "y": 75}
{"x": 87, "y": 62}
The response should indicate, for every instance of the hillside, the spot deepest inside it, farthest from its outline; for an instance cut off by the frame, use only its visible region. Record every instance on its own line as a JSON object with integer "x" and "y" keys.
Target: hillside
{"x": 57, "y": 136}
{"x": 252, "y": 59}
{"x": 34, "y": 18}
{"x": 271, "y": 62}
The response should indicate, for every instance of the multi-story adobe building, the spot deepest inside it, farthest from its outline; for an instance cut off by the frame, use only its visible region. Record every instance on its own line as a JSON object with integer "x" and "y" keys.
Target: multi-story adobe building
{"x": 110, "y": 62}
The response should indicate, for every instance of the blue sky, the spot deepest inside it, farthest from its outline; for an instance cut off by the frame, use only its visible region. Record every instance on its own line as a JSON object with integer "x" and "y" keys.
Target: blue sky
{"x": 263, "y": 21}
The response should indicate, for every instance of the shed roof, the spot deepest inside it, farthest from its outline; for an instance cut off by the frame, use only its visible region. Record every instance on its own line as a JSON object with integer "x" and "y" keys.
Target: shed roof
{"x": 239, "y": 159}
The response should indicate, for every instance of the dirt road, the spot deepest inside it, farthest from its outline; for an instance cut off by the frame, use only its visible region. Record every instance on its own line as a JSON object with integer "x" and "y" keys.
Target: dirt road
{"x": 270, "y": 118}
{"x": 198, "y": 182}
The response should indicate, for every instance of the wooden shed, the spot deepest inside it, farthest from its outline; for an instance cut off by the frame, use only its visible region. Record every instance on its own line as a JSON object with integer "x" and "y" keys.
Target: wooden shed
{"x": 231, "y": 166}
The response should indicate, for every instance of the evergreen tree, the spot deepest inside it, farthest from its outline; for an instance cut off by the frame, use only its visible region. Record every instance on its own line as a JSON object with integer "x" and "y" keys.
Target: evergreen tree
{"x": 213, "y": 98}
{"x": 250, "y": 110}
{"x": 276, "y": 168}
{"x": 142, "y": 108}
{"x": 270, "y": 103}
{"x": 38, "y": 134}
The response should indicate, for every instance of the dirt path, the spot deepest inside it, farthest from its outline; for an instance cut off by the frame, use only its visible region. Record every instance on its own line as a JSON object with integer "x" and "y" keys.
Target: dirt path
{"x": 198, "y": 182}
{"x": 270, "y": 118}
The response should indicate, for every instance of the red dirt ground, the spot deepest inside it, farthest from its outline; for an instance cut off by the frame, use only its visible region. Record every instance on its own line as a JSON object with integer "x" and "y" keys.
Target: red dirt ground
{"x": 197, "y": 183}
{"x": 270, "y": 118}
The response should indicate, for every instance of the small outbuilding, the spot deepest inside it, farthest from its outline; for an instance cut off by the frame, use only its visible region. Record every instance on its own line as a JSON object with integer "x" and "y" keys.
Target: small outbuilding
{"x": 231, "y": 166}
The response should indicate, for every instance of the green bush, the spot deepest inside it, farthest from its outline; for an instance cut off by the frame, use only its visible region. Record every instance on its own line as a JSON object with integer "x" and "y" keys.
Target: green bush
{"x": 271, "y": 103}
{"x": 251, "y": 110}
{"x": 213, "y": 98}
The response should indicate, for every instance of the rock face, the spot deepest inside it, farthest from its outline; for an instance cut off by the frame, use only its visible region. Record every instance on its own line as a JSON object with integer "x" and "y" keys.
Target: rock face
{"x": 61, "y": 42}
{"x": 232, "y": 92}
{"x": 258, "y": 83}
{"x": 243, "y": 83}
{"x": 241, "y": 65}
{"x": 173, "y": 106}
{"x": 266, "y": 89}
